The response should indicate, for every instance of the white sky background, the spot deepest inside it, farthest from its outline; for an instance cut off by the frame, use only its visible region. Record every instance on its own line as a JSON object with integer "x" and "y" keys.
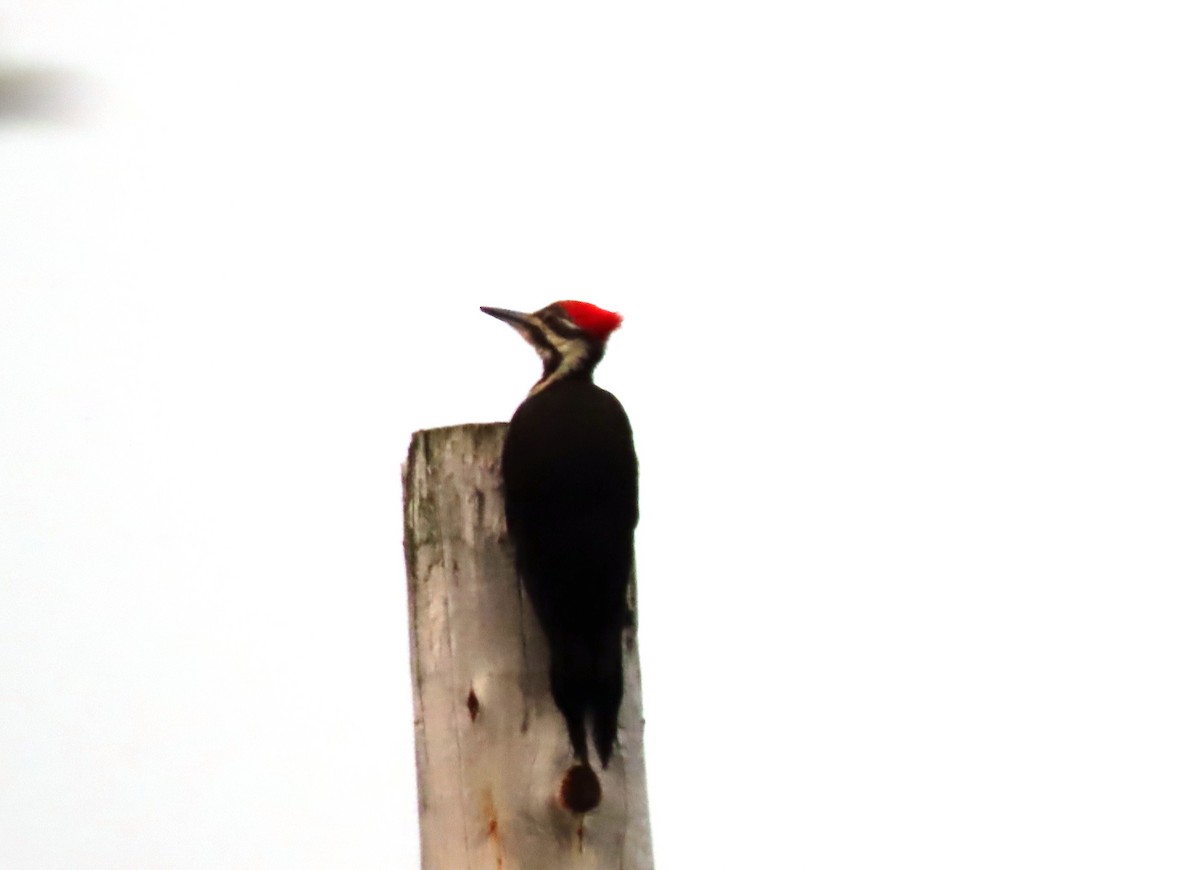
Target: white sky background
{"x": 910, "y": 353}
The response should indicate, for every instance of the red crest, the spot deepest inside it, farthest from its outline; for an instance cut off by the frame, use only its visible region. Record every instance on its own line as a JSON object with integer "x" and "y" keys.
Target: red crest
{"x": 592, "y": 319}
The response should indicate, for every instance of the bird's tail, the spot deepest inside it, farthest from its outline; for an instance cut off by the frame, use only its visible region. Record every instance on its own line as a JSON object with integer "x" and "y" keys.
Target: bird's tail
{"x": 569, "y": 684}
{"x": 587, "y": 683}
{"x": 608, "y": 681}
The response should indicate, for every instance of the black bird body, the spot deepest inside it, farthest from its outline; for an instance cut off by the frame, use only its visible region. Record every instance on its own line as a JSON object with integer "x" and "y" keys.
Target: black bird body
{"x": 570, "y": 494}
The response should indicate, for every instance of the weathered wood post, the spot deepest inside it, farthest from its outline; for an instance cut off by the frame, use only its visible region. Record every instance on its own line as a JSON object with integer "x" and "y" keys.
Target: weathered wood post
{"x": 492, "y": 748}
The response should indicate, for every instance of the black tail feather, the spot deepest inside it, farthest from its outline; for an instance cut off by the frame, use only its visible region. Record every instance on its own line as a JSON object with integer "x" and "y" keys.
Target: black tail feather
{"x": 587, "y": 684}
{"x": 608, "y": 686}
{"x": 570, "y": 692}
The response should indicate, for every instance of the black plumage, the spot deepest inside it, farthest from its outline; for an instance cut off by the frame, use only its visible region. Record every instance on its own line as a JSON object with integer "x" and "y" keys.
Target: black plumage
{"x": 570, "y": 492}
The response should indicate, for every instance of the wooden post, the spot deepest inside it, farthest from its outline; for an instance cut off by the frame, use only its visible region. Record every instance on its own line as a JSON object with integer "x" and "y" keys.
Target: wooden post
{"x": 492, "y": 748}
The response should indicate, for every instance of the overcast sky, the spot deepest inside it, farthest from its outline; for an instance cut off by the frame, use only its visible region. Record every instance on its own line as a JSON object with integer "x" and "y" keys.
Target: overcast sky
{"x": 910, "y": 353}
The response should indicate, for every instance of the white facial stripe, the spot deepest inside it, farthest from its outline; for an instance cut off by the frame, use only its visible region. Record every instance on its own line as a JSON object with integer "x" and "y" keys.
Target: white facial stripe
{"x": 572, "y": 353}
{"x": 573, "y": 350}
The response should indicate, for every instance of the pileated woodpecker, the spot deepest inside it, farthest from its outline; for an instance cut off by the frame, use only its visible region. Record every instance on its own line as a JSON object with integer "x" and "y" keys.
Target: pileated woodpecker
{"x": 570, "y": 495}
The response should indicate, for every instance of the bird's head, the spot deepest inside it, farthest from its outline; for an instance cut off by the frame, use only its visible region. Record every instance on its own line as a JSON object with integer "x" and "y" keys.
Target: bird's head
{"x": 569, "y": 336}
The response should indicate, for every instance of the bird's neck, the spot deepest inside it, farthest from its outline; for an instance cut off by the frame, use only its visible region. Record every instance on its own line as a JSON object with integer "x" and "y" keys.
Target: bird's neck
{"x": 575, "y": 363}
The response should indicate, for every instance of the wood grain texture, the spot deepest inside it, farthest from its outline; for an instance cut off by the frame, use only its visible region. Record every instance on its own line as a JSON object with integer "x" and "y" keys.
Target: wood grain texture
{"x": 492, "y": 748}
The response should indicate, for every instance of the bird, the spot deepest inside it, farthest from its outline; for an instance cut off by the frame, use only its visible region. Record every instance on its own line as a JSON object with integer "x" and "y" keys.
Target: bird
{"x": 570, "y": 484}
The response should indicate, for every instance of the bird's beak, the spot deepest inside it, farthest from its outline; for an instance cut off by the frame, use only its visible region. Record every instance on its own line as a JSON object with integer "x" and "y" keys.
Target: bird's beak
{"x": 513, "y": 318}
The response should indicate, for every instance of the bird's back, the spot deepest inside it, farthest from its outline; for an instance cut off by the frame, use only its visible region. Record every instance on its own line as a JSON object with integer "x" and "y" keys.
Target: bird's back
{"x": 570, "y": 477}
